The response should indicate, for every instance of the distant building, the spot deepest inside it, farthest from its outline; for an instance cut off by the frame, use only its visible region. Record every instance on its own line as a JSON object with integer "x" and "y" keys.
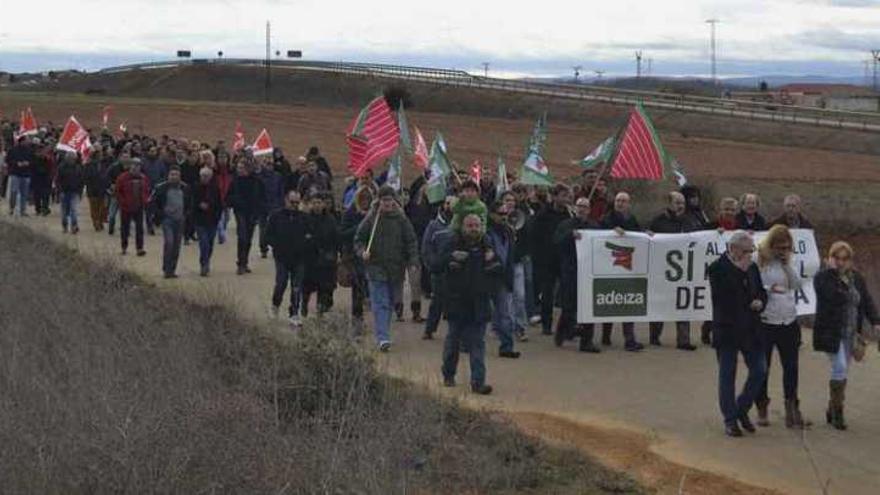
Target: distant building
{"x": 846, "y": 97}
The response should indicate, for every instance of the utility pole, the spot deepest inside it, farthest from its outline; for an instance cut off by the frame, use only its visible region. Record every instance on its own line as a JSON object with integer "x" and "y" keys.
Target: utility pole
{"x": 650, "y": 63}
{"x": 599, "y": 75}
{"x": 268, "y": 60}
{"x": 875, "y": 57}
{"x": 577, "y": 72}
{"x": 867, "y": 64}
{"x": 639, "y": 64}
{"x": 485, "y": 69}
{"x": 712, "y": 23}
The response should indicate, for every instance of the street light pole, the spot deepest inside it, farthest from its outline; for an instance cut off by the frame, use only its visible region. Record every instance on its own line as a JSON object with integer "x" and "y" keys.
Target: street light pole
{"x": 268, "y": 61}
{"x": 712, "y": 23}
{"x": 485, "y": 69}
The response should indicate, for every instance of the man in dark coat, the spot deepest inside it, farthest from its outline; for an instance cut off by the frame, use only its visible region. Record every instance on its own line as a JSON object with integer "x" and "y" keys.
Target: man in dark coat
{"x": 95, "y": 178}
{"x": 471, "y": 271}
{"x": 287, "y": 234}
{"x": 738, "y": 298}
{"x": 322, "y": 256}
{"x": 502, "y": 237}
{"x": 436, "y": 236}
{"x": 621, "y": 220}
{"x": 19, "y": 165}
{"x": 564, "y": 240}
{"x": 351, "y": 219}
{"x": 674, "y": 220}
{"x": 273, "y": 185}
{"x": 546, "y": 261}
{"x": 69, "y": 181}
{"x": 248, "y": 201}
{"x": 748, "y": 217}
{"x": 207, "y": 209}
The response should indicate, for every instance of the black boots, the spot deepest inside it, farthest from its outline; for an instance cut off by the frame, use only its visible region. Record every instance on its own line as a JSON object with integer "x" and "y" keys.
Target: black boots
{"x": 416, "y": 308}
{"x": 793, "y": 416}
{"x": 837, "y": 393}
{"x": 763, "y": 405}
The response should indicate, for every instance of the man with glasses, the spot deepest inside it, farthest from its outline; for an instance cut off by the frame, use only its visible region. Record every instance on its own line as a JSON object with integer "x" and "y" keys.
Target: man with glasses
{"x": 738, "y": 298}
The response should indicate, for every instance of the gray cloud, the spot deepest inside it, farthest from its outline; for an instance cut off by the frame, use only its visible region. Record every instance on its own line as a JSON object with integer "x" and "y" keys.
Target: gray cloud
{"x": 836, "y": 39}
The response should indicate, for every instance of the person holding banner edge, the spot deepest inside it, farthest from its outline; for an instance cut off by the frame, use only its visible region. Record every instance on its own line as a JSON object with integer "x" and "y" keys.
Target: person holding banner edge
{"x": 620, "y": 219}
{"x": 674, "y": 220}
{"x": 738, "y": 298}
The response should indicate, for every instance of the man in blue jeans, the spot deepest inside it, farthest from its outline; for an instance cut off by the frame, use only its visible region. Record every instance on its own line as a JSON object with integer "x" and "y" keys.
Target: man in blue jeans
{"x": 738, "y": 298}
{"x": 207, "y": 208}
{"x": 502, "y": 237}
{"x": 19, "y": 164}
{"x": 172, "y": 203}
{"x": 472, "y": 275}
{"x": 387, "y": 243}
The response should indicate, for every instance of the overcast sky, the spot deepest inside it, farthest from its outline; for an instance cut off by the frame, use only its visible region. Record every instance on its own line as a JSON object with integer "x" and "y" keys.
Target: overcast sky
{"x": 826, "y": 37}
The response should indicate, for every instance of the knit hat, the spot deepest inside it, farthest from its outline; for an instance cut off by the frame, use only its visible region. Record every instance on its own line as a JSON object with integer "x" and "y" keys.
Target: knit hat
{"x": 387, "y": 191}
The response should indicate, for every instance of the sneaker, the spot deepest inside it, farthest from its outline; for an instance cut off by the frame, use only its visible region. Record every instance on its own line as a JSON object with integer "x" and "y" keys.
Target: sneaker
{"x": 74, "y": 230}
{"x": 448, "y": 382}
{"x": 746, "y": 423}
{"x": 141, "y": 253}
{"x": 384, "y": 346}
{"x": 481, "y": 389}
{"x": 427, "y": 336}
{"x": 295, "y": 321}
{"x": 633, "y": 347}
{"x": 686, "y": 347}
{"x": 534, "y": 320}
{"x": 509, "y": 354}
{"x": 590, "y": 349}
{"x": 521, "y": 336}
{"x": 247, "y": 270}
{"x": 204, "y": 271}
{"x": 273, "y": 312}
{"x": 240, "y": 271}
{"x": 170, "y": 275}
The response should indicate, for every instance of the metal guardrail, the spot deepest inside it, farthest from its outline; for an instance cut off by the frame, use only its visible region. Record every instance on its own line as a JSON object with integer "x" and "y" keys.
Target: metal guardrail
{"x": 764, "y": 111}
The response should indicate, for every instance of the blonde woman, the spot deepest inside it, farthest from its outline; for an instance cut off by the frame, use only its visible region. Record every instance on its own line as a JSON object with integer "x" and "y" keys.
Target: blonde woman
{"x": 779, "y": 324}
{"x": 842, "y": 305}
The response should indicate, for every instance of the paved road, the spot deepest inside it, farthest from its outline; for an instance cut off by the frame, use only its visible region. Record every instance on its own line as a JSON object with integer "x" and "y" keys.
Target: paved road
{"x": 666, "y": 394}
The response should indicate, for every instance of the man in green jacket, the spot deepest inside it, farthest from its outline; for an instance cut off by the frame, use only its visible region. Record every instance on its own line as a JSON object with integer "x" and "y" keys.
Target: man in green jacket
{"x": 386, "y": 241}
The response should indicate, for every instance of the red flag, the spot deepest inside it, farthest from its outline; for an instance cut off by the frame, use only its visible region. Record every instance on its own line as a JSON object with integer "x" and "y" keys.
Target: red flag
{"x": 421, "y": 152}
{"x": 238, "y": 139}
{"x": 372, "y": 137}
{"x": 640, "y": 155}
{"x": 28, "y": 124}
{"x": 263, "y": 144}
{"x": 75, "y": 138}
{"x": 476, "y": 171}
{"x": 105, "y": 117}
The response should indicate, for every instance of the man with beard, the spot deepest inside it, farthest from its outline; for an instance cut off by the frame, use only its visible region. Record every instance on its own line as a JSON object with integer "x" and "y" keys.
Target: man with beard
{"x": 546, "y": 261}
{"x": 321, "y": 259}
{"x": 502, "y": 237}
{"x": 157, "y": 171}
{"x": 385, "y": 240}
{"x": 564, "y": 240}
{"x": 288, "y": 235}
{"x": 471, "y": 271}
{"x": 435, "y": 237}
{"x": 674, "y": 220}
{"x": 621, "y": 220}
{"x": 172, "y": 202}
{"x": 248, "y": 202}
{"x": 314, "y": 155}
{"x": 313, "y": 181}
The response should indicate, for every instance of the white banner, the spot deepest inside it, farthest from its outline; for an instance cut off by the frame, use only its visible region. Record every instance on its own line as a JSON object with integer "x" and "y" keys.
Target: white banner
{"x": 664, "y": 277}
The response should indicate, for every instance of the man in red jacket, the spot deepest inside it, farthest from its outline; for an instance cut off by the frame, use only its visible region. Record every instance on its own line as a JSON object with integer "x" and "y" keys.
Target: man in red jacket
{"x": 132, "y": 195}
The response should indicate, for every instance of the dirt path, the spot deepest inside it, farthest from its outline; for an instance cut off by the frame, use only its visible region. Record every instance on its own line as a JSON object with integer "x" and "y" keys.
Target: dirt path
{"x": 653, "y": 414}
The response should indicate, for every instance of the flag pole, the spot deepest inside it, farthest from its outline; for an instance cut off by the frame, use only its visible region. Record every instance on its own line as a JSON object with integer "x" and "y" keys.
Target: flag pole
{"x": 596, "y": 181}
{"x": 373, "y": 231}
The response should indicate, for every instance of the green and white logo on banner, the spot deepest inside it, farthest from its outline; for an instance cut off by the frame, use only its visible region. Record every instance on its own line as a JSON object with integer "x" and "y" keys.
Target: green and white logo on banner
{"x": 620, "y": 296}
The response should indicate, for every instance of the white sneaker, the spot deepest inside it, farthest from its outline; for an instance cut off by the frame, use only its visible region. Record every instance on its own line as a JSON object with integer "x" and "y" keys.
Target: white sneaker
{"x": 535, "y": 319}
{"x": 384, "y": 346}
{"x": 273, "y": 312}
{"x": 295, "y": 321}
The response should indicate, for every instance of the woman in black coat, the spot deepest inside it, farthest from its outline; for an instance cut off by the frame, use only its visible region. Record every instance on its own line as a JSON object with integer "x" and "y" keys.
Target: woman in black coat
{"x": 843, "y": 303}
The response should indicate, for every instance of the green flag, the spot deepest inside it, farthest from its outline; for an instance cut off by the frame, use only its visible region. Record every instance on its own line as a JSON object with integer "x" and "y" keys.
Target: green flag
{"x": 438, "y": 165}
{"x": 534, "y": 170}
{"x": 503, "y": 185}
{"x": 405, "y": 140}
{"x": 600, "y": 155}
{"x": 395, "y": 170}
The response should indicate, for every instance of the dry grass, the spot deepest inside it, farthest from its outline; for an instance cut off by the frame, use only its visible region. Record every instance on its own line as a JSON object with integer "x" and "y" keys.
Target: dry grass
{"x": 109, "y": 385}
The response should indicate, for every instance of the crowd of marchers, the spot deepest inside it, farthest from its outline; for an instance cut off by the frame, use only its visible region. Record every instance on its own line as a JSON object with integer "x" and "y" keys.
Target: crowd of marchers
{"x": 484, "y": 257}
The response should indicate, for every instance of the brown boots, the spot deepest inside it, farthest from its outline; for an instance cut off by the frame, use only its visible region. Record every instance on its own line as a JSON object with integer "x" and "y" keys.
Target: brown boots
{"x": 793, "y": 416}
{"x": 834, "y": 415}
